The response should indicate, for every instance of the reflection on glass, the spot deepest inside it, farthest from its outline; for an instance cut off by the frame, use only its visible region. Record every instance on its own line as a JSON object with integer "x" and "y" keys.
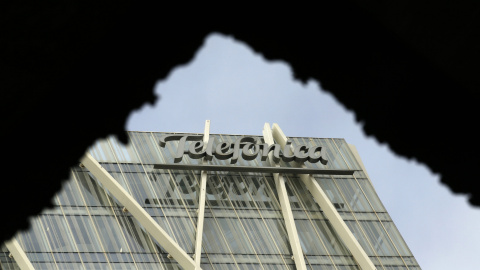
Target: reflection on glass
{"x": 243, "y": 227}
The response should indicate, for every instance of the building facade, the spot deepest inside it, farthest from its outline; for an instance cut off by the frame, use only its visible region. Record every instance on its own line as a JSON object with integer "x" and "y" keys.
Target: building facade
{"x": 166, "y": 201}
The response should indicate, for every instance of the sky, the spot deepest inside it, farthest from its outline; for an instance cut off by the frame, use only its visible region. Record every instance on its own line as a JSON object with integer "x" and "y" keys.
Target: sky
{"x": 239, "y": 91}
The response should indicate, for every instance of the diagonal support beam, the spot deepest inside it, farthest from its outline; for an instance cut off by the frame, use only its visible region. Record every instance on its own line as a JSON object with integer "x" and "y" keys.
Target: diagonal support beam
{"x": 286, "y": 209}
{"x": 19, "y": 255}
{"x": 337, "y": 222}
{"x": 326, "y": 205}
{"x": 201, "y": 203}
{"x": 150, "y": 225}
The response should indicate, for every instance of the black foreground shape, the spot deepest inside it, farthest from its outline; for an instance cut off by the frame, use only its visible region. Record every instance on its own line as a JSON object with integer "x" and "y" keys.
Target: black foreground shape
{"x": 72, "y": 71}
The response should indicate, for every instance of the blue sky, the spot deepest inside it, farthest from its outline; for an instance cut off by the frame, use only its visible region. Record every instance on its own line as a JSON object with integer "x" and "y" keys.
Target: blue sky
{"x": 239, "y": 91}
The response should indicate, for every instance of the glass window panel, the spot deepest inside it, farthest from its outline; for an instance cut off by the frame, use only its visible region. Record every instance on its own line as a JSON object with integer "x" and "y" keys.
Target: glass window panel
{"x": 119, "y": 177}
{"x": 144, "y": 257}
{"x": 67, "y": 257}
{"x": 371, "y": 194}
{"x": 146, "y": 147}
{"x": 150, "y": 266}
{"x": 34, "y": 239}
{"x": 137, "y": 239}
{"x": 69, "y": 194}
{"x": 217, "y": 259}
{"x": 83, "y": 233}
{"x": 96, "y": 266}
{"x": 347, "y": 154}
{"x": 213, "y": 241}
{"x": 410, "y": 260}
{"x": 70, "y": 265}
{"x": 329, "y": 187}
{"x": 260, "y": 237}
{"x": 93, "y": 257}
{"x": 378, "y": 238}
{"x": 319, "y": 260}
{"x": 269, "y": 261}
{"x": 206, "y": 266}
{"x": 235, "y": 236}
{"x": 177, "y": 189}
{"x": 309, "y": 240}
{"x": 238, "y": 191}
{"x": 44, "y": 265}
{"x": 347, "y": 267}
{"x": 5, "y": 261}
{"x": 124, "y": 265}
{"x": 184, "y": 233}
{"x": 300, "y": 198}
{"x": 93, "y": 194}
{"x": 140, "y": 187}
{"x": 322, "y": 267}
{"x": 346, "y": 261}
{"x": 361, "y": 238}
{"x": 39, "y": 256}
{"x": 330, "y": 238}
{"x": 216, "y": 193}
{"x": 397, "y": 238}
{"x": 330, "y": 153}
{"x": 241, "y": 191}
{"x": 396, "y": 267}
{"x": 391, "y": 260}
{"x": 110, "y": 233}
{"x": 101, "y": 151}
{"x": 58, "y": 234}
{"x": 259, "y": 190}
{"x": 167, "y": 226}
{"x": 353, "y": 194}
{"x": 366, "y": 216}
{"x": 279, "y": 232}
{"x": 123, "y": 153}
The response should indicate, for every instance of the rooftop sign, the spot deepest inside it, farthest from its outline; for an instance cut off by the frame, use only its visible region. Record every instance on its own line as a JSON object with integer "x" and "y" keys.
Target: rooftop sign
{"x": 246, "y": 147}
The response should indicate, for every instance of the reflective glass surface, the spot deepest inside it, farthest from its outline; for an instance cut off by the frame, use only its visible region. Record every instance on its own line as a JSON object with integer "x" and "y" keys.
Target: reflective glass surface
{"x": 243, "y": 226}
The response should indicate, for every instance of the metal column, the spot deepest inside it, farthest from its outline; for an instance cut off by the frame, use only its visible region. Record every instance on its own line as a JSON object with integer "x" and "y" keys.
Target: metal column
{"x": 337, "y": 222}
{"x": 286, "y": 209}
{"x": 201, "y": 203}
{"x": 19, "y": 255}
{"x": 150, "y": 225}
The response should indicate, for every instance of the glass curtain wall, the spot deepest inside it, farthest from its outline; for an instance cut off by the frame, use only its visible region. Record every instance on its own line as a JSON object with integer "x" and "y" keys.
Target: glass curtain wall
{"x": 243, "y": 225}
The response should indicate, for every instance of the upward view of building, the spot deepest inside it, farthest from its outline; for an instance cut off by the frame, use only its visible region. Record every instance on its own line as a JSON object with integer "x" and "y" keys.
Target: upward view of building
{"x": 214, "y": 201}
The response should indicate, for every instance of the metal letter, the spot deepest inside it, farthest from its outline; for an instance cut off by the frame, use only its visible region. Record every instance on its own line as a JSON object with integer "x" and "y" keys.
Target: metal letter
{"x": 195, "y": 150}
{"x": 287, "y": 156}
{"x": 209, "y": 150}
{"x": 276, "y": 152}
{"x": 300, "y": 153}
{"x": 181, "y": 143}
{"x": 167, "y": 138}
{"x": 249, "y": 156}
{"x": 313, "y": 158}
{"x": 236, "y": 148}
{"x": 219, "y": 151}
